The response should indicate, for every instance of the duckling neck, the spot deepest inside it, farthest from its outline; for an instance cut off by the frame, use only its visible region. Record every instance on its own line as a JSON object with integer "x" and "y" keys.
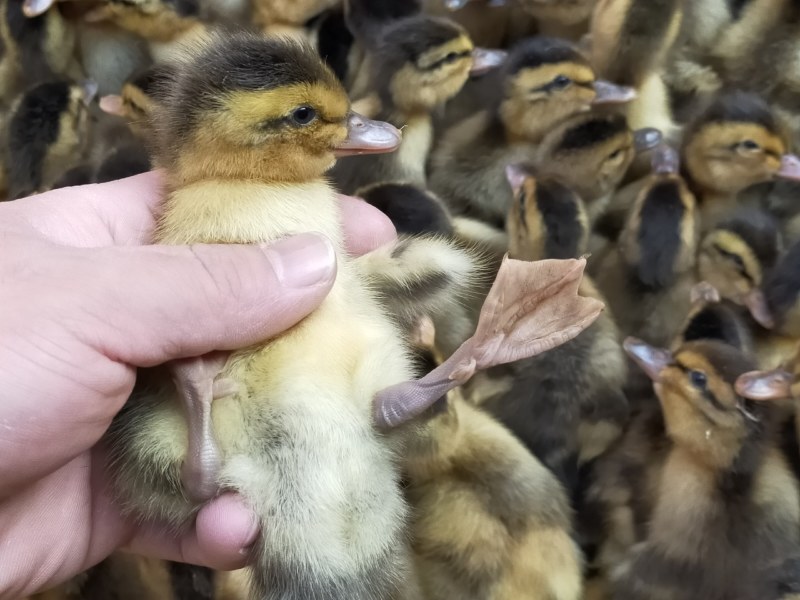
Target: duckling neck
{"x": 248, "y": 212}
{"x": 412, "y": 155}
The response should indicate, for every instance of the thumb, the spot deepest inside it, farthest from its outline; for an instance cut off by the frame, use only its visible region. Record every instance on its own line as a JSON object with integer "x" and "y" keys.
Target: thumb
{"x": 166, "y": 302}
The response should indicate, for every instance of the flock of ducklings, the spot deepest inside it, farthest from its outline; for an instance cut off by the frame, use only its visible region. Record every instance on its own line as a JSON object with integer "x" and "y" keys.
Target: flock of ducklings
{"x": 654, "y": 456}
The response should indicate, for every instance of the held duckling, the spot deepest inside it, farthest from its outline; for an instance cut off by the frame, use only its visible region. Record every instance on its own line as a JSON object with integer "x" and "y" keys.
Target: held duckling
{"x": 736, "y": 143}
{"x": 567, "y": 405}
{"x": 46, "y": 134}
{"x": 247, "y": 130}
{"x": 168, "y": 26}
{"x": 489, "y": 521}
{"x": 648, "y": 278}
{"x": 728, "y": 507}
{"x": 418, "y": 65}
{"x": 542, "y": 83}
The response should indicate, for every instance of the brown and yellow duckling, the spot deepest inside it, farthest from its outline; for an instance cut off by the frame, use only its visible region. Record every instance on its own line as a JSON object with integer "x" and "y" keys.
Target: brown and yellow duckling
{"x": 167, "y": 26}
{"x": 736, "y": 143}
{"x": 566, "y": 406}
{"x": 543, "y": 82}
{"x": 489, "y": 521}
{"x": 419, "y": 63}
{"x": 648, "y": 277}
{"x": 46, "y": 134}
{"x": 136, "y": 101}
{"x": 728, "y": 507}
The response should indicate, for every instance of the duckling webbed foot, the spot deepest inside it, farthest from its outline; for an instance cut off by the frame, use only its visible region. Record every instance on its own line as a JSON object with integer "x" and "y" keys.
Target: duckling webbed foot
{"x": 532, "y": 307}
{"x": 195, "y": 381}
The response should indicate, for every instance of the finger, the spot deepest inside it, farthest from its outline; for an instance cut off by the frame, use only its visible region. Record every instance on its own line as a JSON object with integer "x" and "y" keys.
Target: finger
{"x": 173, "y": 302}
{"x": 365, "y": 227}
{"x": 224, "y": 531}
{"x": 118, "y": 213}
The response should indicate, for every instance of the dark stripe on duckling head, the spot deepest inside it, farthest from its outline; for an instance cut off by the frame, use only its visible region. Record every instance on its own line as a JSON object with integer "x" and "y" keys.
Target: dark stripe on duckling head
{"x": 334, "y": 41}
{"x": 737, "y": 8}
{"x": 759, "y": 230}
{"x": 560, "y": 210}
{"x": 410, "y": 209}
{"x": 34, "y": 126}
{"x": 593, "y": 131}
{"x": 536, "y": 51}
{"x": 716, "y": 322}
{"x": 407, "y": 40}
{"x": 739, "y": 107}
{"x": 782, "y": 286}
{"x": 660, "y": 234}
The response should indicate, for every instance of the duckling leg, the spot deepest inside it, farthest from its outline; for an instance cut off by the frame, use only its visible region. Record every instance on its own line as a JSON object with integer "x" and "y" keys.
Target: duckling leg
{"x": 531, "y": 308}
{"x": 195, "y": 381}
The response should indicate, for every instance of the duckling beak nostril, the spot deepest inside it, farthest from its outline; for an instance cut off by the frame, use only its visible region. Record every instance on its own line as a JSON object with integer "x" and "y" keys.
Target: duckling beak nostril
{"x": 646, "y": 139}
{"x": 790, "y": 167}
{"x": 665, "y": 160}
{"x": 652, "y": 360}
{"x": 485, "y": 59}
{"x": 765, "y": 385}
{"x": 365, "y": 136}
{"x": 609, "y": 93}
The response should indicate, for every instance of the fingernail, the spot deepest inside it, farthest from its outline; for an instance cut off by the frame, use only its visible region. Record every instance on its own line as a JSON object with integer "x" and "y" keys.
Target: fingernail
{"x": 303, "y": 260}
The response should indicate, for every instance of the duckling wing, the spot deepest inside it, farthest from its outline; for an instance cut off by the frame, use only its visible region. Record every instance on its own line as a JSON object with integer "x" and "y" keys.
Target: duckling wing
{"x": 532, "y": 307}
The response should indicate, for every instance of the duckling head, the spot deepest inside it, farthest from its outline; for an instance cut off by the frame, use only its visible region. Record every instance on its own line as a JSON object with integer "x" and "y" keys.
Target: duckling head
{"x": 736, "y": 255}
{"x": 249, "y": 107}
{"x": 737, "y": 143}
{"x": 157, "y": 20}
{"x": 49, "y": 122}
{"x": 138, "y": 96}
{"x": 695, "y": 385}
{"x": 421, "y": 62}
{"x": 659, "y": 241}
{"x": 546, "y": 220}
{"x": 592, "y": 152}
{"x": 547, "y": 80}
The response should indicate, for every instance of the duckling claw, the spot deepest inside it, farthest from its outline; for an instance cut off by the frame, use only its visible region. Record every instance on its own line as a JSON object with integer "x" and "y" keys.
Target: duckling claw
{"x": 532, "y": 307}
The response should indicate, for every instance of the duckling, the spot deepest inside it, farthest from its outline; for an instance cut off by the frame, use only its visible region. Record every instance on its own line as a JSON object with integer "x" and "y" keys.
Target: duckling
{"x": 336, "y": 44}
{"x": 490, "y": 23}
{"x": 488, "y": 520}
{"x": 737, "y": 255}
{"x": 245, "y": 134}
{"x": 734, "y": 144}
{"x": 782, "y": 291}
{"x": 419, "y": 64}
{"x": 168, "y": 26}
{"x": 282, "y": 15}
{"x": 136, "y": 101}
{"x": 567, "y": 18}
{"x": 543, "y": 82}
{"x": 34, "y": 50}
{"x": 47, "y": 132}
{"x": 648, "y": 278}
{"x": 567, "y": 405}
{"x": 728, "y": 507}
{"x": 630, "y": 40}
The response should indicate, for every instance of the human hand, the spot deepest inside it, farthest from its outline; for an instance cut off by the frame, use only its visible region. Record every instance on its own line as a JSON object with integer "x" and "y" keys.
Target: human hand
{"x": 82, "y": 305}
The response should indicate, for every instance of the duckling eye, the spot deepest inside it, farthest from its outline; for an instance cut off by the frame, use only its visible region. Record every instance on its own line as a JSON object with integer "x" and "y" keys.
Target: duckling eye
{"x": 560, "y": 82}
{"x": 614, "y": 155}
{"x": 304, "y": 115}
{"x": 450, "y": 58}
{"x": 749, "y": 145}
{"x": 698, "y": 379}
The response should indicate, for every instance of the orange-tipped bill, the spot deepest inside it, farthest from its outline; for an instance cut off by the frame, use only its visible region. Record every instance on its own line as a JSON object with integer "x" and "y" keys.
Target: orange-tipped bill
{"x": 609, "y": 93}
{"x": 765, "y": 385}
{"x": 652, "y": 360}
{"x": 365, "y": 136}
